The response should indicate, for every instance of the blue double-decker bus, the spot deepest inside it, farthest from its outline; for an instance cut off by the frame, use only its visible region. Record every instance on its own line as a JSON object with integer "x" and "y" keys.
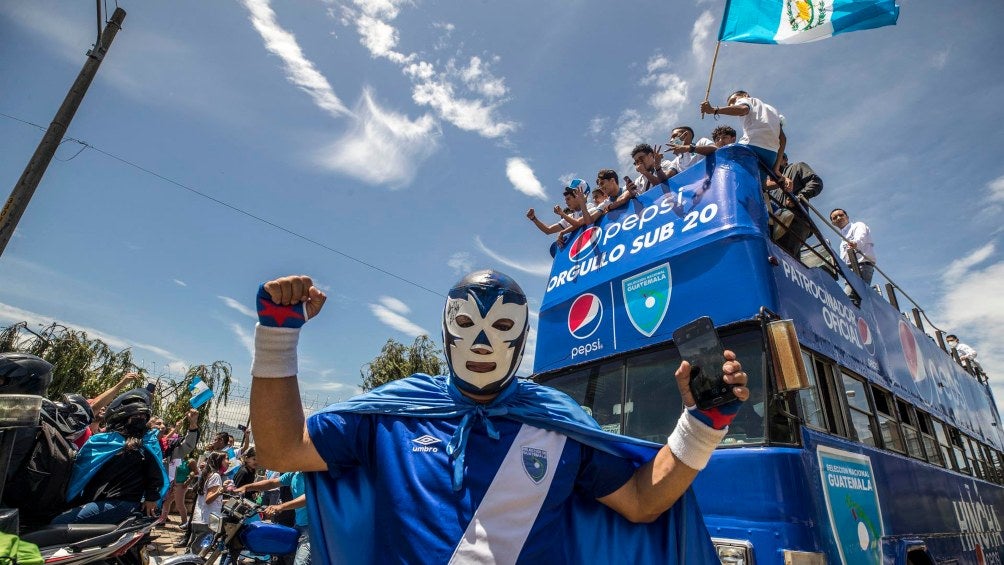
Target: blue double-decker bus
{"x": 863, "y": 440}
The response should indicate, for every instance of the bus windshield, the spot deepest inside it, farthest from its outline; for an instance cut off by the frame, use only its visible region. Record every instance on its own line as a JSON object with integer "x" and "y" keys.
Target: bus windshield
{"x": 636, "y": 395}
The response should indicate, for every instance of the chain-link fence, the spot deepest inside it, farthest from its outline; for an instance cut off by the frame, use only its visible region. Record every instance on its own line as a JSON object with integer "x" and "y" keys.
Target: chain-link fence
{"x": 233, "y": 416}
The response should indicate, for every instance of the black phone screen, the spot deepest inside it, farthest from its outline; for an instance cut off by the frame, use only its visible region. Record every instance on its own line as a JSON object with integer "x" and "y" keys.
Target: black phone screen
{"x": 698, "y": 343}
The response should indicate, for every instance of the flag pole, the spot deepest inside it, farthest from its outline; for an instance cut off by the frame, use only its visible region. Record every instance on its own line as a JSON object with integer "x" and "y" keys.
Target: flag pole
{"x": 714, "y": 61}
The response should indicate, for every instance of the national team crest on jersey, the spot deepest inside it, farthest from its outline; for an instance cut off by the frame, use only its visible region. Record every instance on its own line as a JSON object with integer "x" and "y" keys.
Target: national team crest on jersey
{"x": 585, "y": 315}
{"x": 584, "y": 245}
{"x": 646, "y": 298}
{"x": 535, "y": 463}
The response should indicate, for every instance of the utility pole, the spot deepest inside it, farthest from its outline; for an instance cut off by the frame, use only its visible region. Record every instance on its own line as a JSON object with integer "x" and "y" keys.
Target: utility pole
{"x": 32, "y": 175}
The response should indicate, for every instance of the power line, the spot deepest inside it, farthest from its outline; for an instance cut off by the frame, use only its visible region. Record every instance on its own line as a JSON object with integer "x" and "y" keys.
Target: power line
{"x": 232, "y": 207}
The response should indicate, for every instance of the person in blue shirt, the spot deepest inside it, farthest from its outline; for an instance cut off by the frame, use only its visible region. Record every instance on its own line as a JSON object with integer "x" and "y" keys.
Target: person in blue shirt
{"x": 298, "y": 502}
{"x": 476, "y": 466}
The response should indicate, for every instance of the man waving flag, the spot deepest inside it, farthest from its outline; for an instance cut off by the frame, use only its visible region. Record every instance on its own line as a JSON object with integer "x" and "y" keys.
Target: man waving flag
{"x": 801, "y": 21}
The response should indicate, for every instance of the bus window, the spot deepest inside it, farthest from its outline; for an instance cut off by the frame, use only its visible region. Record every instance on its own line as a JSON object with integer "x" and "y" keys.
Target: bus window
{"x": 861, "y": 417}
{"x": 885, "y": 412}
{"x": 809, "y": 401}
{"x": 598, "y": 390}
{"x": 947, "y": 453}
{"x": 653, "y": 400}
{"x": 988, "y": 462}
{"x": 748, "y": 427}
{"x": 911, "y": 435}
{"x": 958, "y": 450}
{"x": 927, "y": 437}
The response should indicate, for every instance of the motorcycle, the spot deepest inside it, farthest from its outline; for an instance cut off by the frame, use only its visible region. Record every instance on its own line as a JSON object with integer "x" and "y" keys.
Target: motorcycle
{"x": 94, "y": 543}
{"x": 237, "y": 535}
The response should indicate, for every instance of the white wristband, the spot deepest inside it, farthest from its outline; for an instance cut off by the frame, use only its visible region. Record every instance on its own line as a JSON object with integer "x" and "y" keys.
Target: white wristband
{"x": 274, "y": 352}
{"x": 693, "y": 441}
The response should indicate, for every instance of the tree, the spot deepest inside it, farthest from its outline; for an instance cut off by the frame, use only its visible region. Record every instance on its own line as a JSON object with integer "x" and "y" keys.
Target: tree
{"x": 89, "y": 367}
{"x": 397, "y": 361}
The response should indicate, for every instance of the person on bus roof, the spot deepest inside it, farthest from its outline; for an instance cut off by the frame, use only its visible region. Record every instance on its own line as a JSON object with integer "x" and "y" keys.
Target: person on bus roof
{"x": 763, "y": 126}
{"x": 477, "y": 466}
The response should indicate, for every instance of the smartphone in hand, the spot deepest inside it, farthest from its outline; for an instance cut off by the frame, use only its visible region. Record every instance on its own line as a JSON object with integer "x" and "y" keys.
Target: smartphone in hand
{"x": 698, "y": 343}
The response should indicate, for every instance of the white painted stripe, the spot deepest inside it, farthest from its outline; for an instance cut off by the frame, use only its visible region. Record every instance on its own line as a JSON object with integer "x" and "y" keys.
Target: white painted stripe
{"x": 503, "y": 521}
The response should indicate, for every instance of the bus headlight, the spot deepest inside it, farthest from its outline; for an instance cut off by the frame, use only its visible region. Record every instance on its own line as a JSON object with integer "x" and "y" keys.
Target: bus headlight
{"x": 734, "y": 551}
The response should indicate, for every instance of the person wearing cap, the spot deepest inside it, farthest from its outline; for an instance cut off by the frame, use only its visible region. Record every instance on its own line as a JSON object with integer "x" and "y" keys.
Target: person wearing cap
{"x": 477, "y": 466}
{"x": 580, "y": 212}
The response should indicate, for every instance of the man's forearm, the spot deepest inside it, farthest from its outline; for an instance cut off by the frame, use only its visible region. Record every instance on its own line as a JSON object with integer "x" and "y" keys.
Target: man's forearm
{"x": 278, "y": 422}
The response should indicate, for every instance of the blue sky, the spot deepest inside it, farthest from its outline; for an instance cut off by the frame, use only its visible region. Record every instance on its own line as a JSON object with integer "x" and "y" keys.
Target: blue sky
{"x": 413, "y": 136}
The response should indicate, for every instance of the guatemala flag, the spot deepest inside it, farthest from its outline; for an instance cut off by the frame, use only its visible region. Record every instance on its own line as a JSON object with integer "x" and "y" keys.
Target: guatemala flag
{"x": 801, "y": 21}
{"x": 201, "y": 393}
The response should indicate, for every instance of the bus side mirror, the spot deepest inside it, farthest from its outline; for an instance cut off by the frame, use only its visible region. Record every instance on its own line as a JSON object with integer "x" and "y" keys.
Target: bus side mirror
{"x": 789, "y": 368}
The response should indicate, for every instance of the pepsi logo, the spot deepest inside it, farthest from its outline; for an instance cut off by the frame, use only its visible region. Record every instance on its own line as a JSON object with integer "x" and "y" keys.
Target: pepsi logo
{"x": 865, "y": 336}
{"x": 910, "y": 350}
{"x": 585, "y": 315}
{"x": 584, "y": 245}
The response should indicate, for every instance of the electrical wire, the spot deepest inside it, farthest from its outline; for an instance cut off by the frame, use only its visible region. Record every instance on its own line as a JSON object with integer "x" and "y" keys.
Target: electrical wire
{"x": 234, "y": 208}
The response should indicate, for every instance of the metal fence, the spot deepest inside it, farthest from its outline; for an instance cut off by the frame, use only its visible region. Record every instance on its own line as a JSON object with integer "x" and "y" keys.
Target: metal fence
{"x": 233, "y": 416}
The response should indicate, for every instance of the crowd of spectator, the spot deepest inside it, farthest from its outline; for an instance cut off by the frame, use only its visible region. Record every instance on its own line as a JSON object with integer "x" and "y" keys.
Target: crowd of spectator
{"x": 128, "y": 461}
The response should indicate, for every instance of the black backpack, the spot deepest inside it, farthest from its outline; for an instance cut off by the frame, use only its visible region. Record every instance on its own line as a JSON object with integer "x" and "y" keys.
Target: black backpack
{"x": 37, "y": 488}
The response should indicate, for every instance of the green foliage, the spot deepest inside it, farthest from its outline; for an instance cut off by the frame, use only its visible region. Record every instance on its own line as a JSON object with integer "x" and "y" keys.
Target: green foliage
{"x": 397, "y": 361}
{"x": 89, "y": 367}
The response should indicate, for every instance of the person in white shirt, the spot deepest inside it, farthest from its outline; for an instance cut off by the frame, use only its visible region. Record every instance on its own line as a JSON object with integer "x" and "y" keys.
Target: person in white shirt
{"x": 967, "y": 355}
{"x": 688, "y": 152}
{"x": 208, "y": 492}
{"x": 763, "y": 126}
{"x": 856, "y": 237}
{"x": 650, "y": 166}
{"x": 580, "y": 212}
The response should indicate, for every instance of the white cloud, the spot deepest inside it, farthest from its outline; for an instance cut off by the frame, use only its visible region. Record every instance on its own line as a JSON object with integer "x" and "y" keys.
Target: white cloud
{"x": 473, "y": 111}
{"x": 468, "y": 114}
{"x": 973, "y": 307}
{"x": 522, "y": 178}
{"x": 940, "y": 58}
{"x": 394, "y": 305}
{"x": 461, "y": 263}
{"x": 299, "y": 70}
{"x": 597, "y": 125}
{"x": 540, "y": 268}
{"x": 668, "y": 95}
{"x": 567, "y": 178}
{"x": 243, "y": 336}
{"x": 239, "y": 306}
{"x": 401, "y": 142}
{"x": 699, "y": 36}
{"x": 391, "y": 316}
{"x": 958, "y": 268}
{"x": 180, "y": 282}
{"x": 15, "y": 314}
{"x": 996, "y": 188}
{"x": 177, "y": 367}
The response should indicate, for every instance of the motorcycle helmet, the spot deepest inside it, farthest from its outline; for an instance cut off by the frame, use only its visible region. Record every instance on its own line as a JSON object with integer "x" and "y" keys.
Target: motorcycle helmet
{"x": 135, "y": 402}
{"x": 23, "y": 373}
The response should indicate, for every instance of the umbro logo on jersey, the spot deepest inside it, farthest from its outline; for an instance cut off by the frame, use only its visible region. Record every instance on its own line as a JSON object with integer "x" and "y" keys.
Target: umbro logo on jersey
{"x": 425, "y": 444}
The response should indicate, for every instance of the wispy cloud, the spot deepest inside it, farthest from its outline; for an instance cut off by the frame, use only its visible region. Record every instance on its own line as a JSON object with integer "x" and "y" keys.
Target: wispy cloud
{"x": 180, "y": 282}
{"x": 299, "y": 70}
{"x": 996, "y": 188}
{"x": 14, "y": 314}
{"x": 461, "y": 263}
{"x": 958, "y": 268}
{"x": 973, "y": 305}
{"x": 401, "y": 142}
{"x": 239, "y": 306}
{"x": 465, "y": 93}
{"x": 243, "y": 336}
{"x": 700, "y": 35}
{"x": 522, "y": 178}
{"x": 940, "y": 58}
{"x": 391, "y": 312}
{"x": 540, "y": 268}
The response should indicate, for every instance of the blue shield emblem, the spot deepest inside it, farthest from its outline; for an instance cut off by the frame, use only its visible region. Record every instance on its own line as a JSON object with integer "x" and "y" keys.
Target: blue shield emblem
{"x": 535, "y": 463}
{"x": 646, "y": 298}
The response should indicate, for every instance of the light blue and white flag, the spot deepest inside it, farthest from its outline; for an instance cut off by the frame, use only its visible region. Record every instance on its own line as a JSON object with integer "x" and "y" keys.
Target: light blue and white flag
{"x": 801, "y": 21}
{"x": 201, "y": 393}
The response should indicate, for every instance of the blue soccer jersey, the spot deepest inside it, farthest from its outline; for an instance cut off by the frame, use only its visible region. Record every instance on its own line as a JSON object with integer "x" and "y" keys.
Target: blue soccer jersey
{"x": 515, "y": 488}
